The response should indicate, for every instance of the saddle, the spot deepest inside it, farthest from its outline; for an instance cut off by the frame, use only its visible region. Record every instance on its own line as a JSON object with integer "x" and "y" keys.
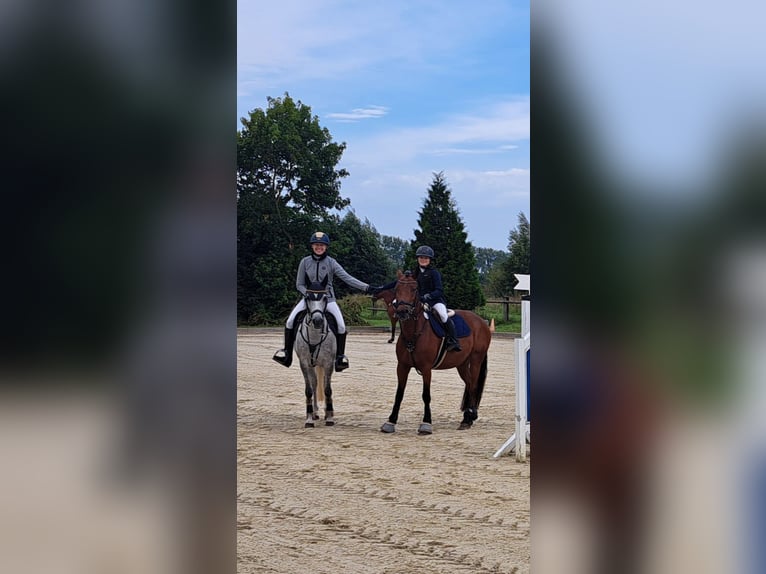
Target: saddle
{"x": 331, "y": 322}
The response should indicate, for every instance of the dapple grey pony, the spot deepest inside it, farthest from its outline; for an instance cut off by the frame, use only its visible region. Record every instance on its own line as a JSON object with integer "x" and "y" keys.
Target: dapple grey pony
{"x": 315, "y": 347}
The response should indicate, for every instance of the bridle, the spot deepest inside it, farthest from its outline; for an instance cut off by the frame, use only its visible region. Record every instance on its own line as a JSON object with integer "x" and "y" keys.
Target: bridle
{"x": 311, "y": 296}
{"x": 406, "y": 310}
{"x": 409, "y": 311}
{"x": 314, "y": 296}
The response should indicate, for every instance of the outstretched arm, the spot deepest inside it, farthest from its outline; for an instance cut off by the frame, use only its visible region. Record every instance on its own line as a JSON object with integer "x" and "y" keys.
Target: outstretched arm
{"x": 349, "y": 280}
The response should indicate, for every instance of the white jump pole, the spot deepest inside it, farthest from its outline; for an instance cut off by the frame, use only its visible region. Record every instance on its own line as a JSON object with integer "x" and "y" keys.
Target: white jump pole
{"x": 518, "y": 440}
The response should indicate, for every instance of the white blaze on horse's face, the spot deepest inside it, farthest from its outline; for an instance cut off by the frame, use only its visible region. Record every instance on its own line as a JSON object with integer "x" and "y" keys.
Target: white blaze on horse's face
{"x": 316, "y": 305}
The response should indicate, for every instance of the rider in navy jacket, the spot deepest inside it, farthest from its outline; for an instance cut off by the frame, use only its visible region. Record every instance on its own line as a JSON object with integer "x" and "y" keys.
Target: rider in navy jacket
{"x": 431, "y": 291}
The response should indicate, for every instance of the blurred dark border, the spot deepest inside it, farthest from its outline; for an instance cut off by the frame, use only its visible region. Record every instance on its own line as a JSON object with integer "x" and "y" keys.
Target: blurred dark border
{"x": 119, "y": 245}
{"x": 648, "y": 295}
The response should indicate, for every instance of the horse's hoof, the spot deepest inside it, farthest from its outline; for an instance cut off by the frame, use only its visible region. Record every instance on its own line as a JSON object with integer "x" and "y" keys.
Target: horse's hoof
{"x": 388, "y": 427}
{"x": 425, "y": 428}
{"x": 329, "y": 423}
{"x": 315, "y": 417}
{"x": 309, "y": 425}
{"x": 464, "y": 426}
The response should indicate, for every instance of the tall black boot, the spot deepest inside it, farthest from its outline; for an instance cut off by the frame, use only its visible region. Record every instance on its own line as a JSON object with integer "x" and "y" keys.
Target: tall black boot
{"x": 285, "y": 356}
{"x": 452, "y": 344}
{"x": 341, "y": 362}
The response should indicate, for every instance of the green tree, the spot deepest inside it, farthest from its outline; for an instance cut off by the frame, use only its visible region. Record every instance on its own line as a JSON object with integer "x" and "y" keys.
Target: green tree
{"x": 518, "y": 246}
{"x": 486, "y": 260}
{"x": 441, "y": 228}
{"x": 287, "y": 182}
{"x": 357, "y": 247}
{"x": 502, "y": 280}
{"x": 396, "y": 250}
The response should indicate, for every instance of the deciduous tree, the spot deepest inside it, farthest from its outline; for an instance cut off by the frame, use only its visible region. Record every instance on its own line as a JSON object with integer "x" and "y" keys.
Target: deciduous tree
{"x": 287, "y": 181}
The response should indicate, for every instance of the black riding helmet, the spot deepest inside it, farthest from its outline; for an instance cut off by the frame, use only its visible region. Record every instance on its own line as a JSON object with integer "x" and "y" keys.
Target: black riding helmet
{"x": 320, "y": 237}
{"x": 424, "y": 251}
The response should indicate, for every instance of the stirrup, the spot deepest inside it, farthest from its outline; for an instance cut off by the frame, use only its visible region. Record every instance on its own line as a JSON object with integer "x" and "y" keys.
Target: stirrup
{"x": 453, "y": 345}
{"x": 341, "y": 363}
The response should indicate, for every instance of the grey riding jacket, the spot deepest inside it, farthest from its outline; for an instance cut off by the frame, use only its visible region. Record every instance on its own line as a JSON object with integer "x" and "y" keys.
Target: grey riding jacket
{"x": 317, "y": 268}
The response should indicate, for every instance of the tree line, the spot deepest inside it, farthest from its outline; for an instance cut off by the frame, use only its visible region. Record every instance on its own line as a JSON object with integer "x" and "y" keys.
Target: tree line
{"x": 288, "y": 186}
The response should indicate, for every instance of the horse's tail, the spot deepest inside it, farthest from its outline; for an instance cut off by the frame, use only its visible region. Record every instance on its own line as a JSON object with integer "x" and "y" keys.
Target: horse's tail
{"x": 320, "y": 383}
{"x": 479, "y": 386}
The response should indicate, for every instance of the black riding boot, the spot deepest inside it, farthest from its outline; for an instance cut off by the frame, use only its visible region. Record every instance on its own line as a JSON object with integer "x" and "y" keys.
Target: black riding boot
{"x": 341, "y": 362}
{"x": 285, "y": 356}
{"x": 452, "y": 344}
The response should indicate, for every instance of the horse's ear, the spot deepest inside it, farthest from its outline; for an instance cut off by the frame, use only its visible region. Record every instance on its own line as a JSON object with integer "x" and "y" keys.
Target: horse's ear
{"x": 399, "y": 274}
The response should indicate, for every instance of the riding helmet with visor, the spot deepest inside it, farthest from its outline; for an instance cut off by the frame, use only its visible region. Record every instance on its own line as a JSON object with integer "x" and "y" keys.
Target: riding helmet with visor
{"x": 320, "y": 237}
{"x": 424, "y": 251}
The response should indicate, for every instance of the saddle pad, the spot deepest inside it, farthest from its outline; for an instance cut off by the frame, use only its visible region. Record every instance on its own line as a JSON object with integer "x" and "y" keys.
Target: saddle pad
{"x": 461, "y": 327}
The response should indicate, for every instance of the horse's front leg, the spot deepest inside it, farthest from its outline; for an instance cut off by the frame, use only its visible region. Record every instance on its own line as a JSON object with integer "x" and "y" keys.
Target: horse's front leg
{"x": 311, "y": 384}
{"x": 329, "y": 415}
{"x": 402, "y": 372}
{"x": 393, "y": 331}
{"x": 426, "y": 427}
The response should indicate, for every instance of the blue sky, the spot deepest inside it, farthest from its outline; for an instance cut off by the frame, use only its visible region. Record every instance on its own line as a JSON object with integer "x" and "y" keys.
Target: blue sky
{"x": 413, "y": 88}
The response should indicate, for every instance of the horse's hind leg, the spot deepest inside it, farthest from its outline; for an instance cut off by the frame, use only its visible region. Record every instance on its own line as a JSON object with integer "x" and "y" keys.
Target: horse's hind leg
{"x": 469, "y": 372}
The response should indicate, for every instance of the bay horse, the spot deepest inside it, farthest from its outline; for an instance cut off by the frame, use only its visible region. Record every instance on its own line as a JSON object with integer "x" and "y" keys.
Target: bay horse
{"x": 388, "y": 298}
{"x": 315, "y": 347}
{"x": 420, "y": 348}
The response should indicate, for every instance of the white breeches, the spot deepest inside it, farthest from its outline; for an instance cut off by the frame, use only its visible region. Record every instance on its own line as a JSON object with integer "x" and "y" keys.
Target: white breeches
{"x": 332, "y": 307}
{"x": 441, "y": 310}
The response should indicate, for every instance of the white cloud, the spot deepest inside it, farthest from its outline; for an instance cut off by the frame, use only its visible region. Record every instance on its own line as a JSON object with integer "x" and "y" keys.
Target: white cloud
{"x": 474, "y": 151}
{"x": 497, "y": 124}
{"x": 359, "y": 114}
{"x": 296, "y": 41}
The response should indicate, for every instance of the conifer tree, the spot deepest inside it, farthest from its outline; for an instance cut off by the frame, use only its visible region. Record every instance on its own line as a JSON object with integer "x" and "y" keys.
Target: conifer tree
{"x": 441, "y": 228}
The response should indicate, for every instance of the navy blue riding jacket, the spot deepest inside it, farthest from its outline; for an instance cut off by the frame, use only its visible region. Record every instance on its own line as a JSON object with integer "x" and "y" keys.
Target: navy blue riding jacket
{"x": 429, "y": 283}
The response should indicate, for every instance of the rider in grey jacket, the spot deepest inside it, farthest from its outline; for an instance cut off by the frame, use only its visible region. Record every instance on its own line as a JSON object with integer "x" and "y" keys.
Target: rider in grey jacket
{"x": 316, "y": 267}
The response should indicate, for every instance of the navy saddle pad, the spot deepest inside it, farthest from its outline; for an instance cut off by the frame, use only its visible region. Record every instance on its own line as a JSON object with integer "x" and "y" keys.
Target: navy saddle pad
{"x": 461, "y": 327}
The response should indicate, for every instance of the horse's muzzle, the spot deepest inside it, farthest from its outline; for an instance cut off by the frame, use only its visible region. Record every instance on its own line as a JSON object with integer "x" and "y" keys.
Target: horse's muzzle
{"x": 404, "y": 310}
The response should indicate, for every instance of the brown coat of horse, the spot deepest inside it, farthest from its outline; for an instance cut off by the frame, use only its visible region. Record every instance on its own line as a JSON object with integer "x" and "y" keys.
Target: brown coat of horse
{"x": 388, "y": 298}
{"x": 418, "y": 347}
